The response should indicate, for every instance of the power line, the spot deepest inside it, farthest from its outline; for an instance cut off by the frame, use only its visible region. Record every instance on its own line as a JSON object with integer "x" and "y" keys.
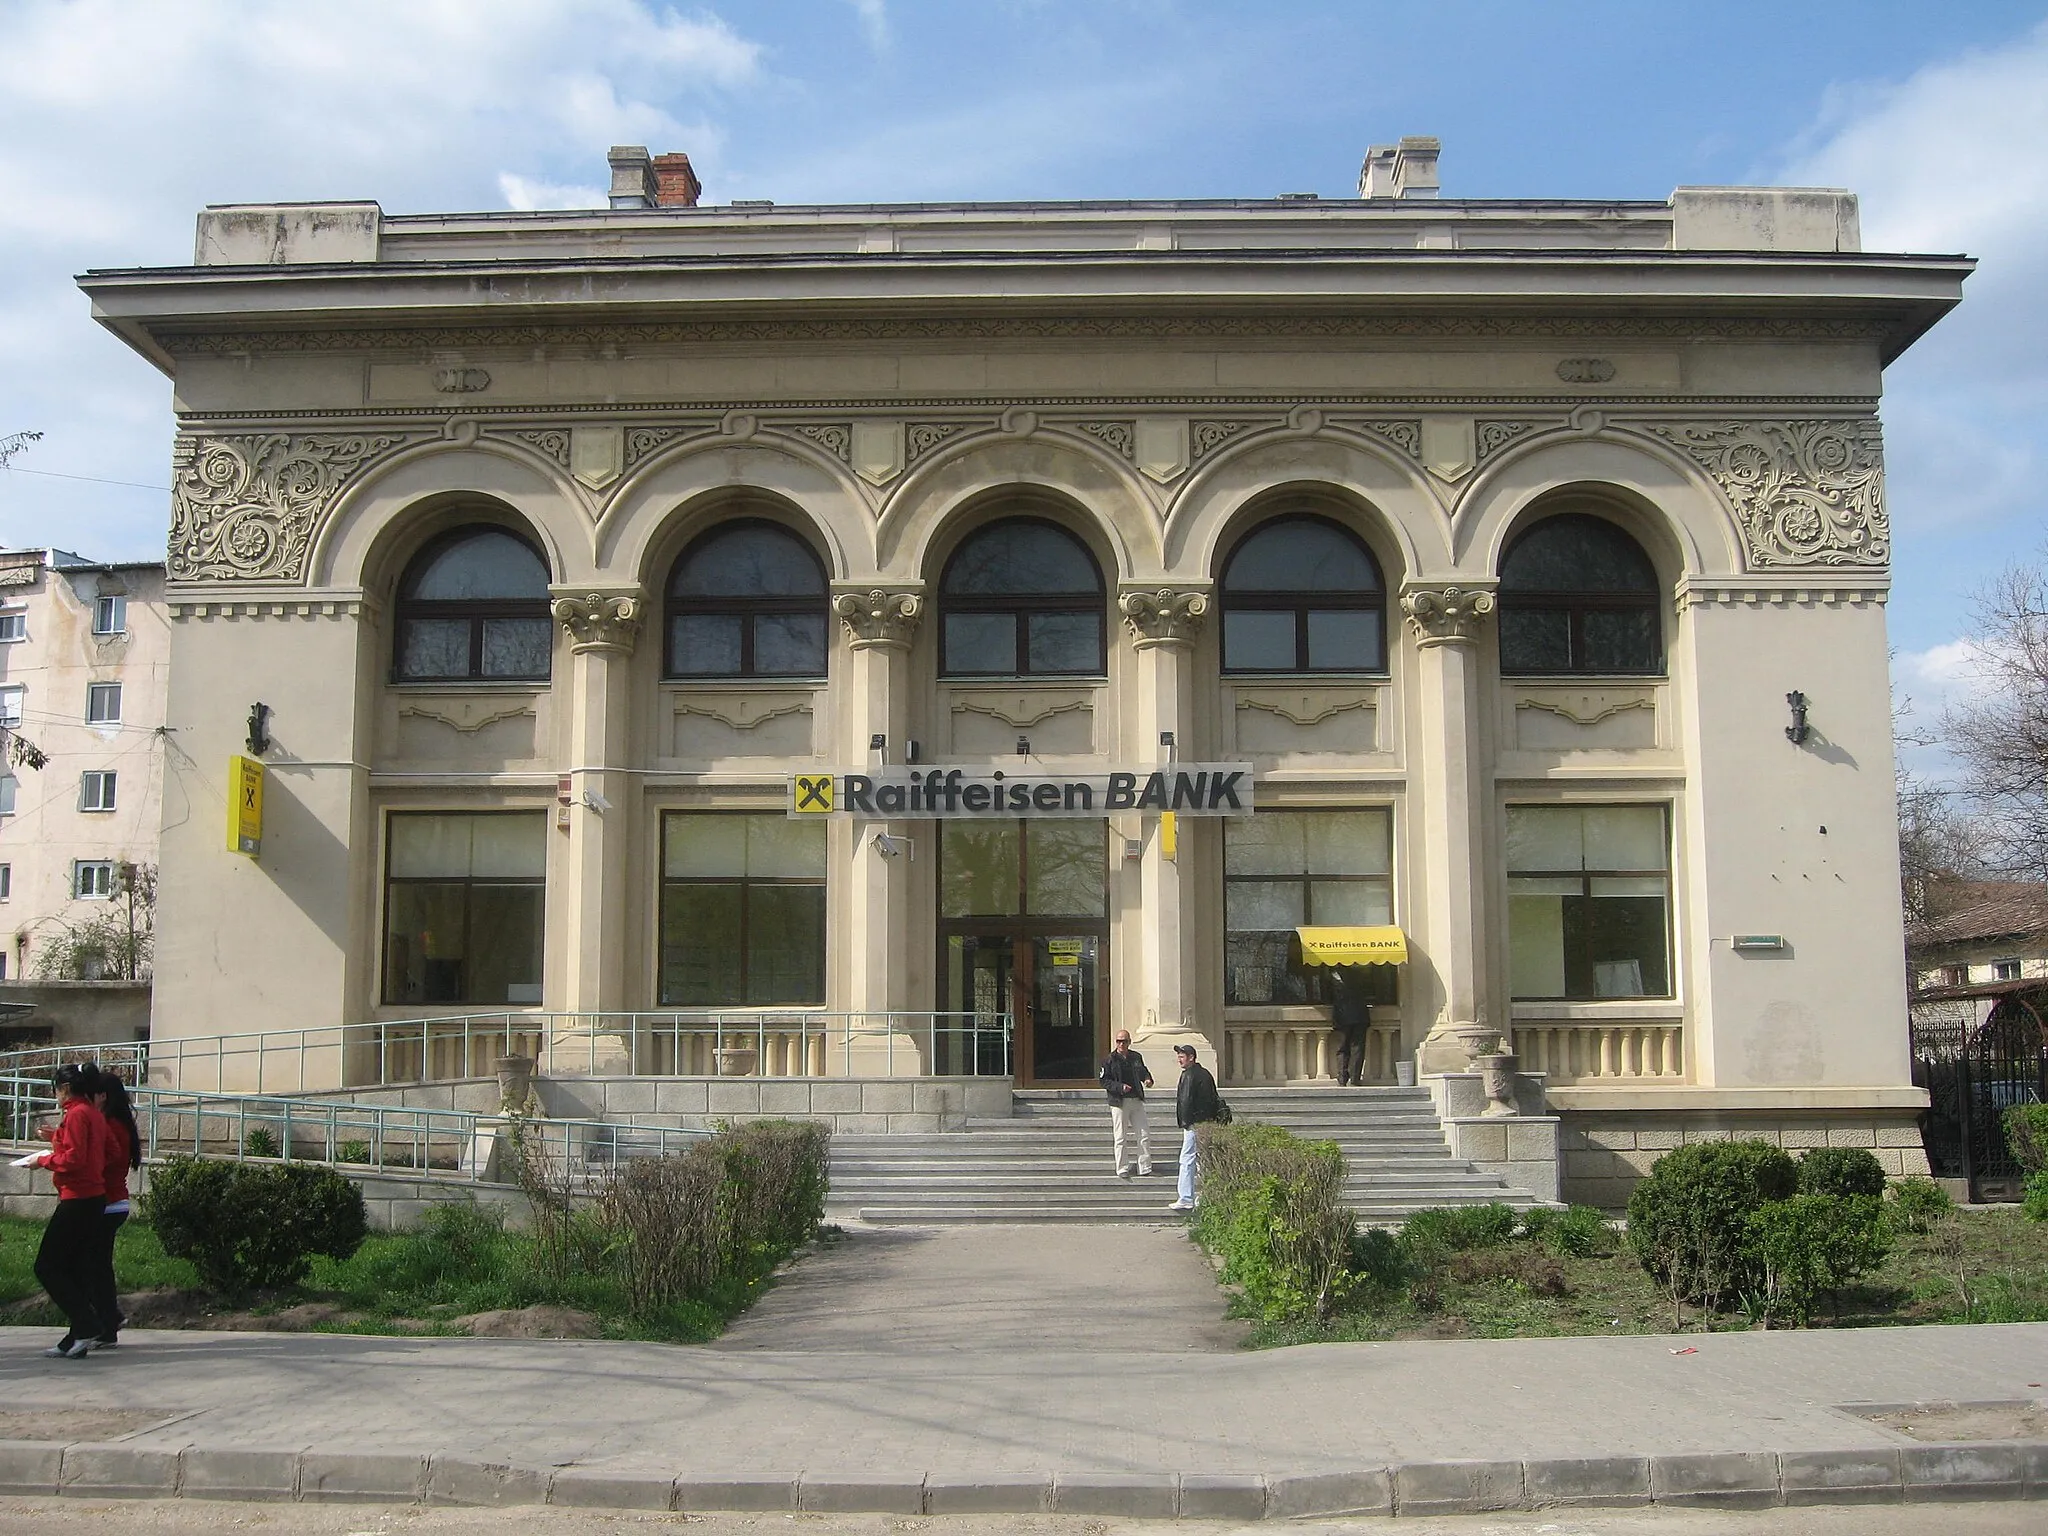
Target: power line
{"x": 95, "y": 479}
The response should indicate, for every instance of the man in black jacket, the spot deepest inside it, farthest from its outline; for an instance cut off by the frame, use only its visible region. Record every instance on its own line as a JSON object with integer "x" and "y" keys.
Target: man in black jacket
{"x": 1350, "y": 1017}
{"x": 1195, "y": 1102}
{"x": 1124, "y": 1077}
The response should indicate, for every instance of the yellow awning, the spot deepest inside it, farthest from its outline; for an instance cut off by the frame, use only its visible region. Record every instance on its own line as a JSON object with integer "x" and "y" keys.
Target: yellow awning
{"x": 1353, "y": 946}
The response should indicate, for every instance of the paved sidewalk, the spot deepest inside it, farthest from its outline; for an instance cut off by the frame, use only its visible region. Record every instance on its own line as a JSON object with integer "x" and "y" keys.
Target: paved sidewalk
{"x": 1108, "y": 1423}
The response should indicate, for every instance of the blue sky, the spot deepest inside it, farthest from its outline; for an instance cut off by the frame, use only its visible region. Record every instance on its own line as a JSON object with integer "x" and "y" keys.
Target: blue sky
{"x": 119, "y": 118}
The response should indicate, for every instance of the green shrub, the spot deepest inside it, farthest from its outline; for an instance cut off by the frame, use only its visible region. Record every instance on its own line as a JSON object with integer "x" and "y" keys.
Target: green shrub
{"x": 2026, "y": 1132}
{"x": 1377, "y": 1260}
{"x": 1841, "y": 1172}
{"x": 1578, "y": 1232}
{"x": 248, "y": 1227}
{"x": 1916, "y": 1204}
{"x": 260, "y": 1142}
{"x": 1428, "y": 1235}
{"x": 1813, "y": 1245}
{"x": 1270, "y": 1209}
{"x": 1517, "y": 1265}
{"x": 352, "y": 1152}
{"x": 1688, "y": 1220}
{"x": 2035, "y": 1201}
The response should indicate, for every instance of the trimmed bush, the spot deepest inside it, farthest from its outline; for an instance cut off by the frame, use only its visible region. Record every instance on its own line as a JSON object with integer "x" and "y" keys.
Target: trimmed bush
{"x": 1916, "y": 1204}
{"x": 2026, "y": 1132}
{"x": 2035, "y": 1200}
{"x": 1812, "y": 1246}
{"x": 1428, "y": 1235}
{"x": 1841, "y": 1172}
{"x": 248, "y": 1227}
{"x": 1578, "y": 1232}
{"x": 1688, "y": 1219}
{"x": 1270, "y": 1211}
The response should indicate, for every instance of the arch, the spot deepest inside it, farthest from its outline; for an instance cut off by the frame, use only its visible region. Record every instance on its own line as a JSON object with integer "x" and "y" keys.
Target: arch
{"x": 1579, "y": 595}
{"x": 1022, "y": 596}
{"x": 1664, "y": 503}
{"x": 1079, "y": 481}
{"x": 381, "y": 520}
{"x": 746, "y": 597}
{"x": 472, "y": 606}
{"x": 1300, "y": 592}
{"x": 1383, "y": 499}
{"x": 653, "y": 511}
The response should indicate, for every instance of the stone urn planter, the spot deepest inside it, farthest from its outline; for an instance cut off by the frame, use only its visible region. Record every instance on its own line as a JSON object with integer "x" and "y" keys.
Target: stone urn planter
{"x": 1497, "y": 1078}
{"x": 515, "y": 1080}
{"x": 735, "y": 1060}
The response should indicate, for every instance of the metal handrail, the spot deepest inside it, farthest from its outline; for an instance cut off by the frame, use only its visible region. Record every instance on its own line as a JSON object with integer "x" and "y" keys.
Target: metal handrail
{"x": 128, "y": 1057}
{"x": 453, "y": 1142}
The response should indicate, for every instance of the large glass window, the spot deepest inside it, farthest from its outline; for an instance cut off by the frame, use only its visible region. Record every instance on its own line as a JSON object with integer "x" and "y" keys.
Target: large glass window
{"x": 1301, "y": 594}
{"x": 1589, "y": 901}
{"x": 1284, "y": 870}
{"x": 742, "y": 910}
{"x": 463, "y": 900}
{"x": 1579, "y": 596}
{"x": 1021, "y": 598}
{"x": 747, "y": 600}
{"x": 473, "y": 607}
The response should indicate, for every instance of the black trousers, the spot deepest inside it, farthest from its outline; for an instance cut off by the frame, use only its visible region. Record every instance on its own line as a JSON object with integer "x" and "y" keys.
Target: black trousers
{"x": 64, "y": 1262}
{"x": 1350, "y": 1056}
{"x": 104, "y": 1287}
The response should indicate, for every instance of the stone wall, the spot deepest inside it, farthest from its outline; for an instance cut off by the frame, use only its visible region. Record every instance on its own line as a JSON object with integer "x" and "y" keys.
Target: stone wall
{"x": 393, "y": 1203}
{"x": 1606, "y": 1153}
{"x": 874, "y": 1106}
{"x": 80, "y": 1012}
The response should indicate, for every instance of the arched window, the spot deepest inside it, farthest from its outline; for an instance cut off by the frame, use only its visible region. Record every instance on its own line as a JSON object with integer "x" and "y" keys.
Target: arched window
{"x": 473, "y": 607}
{"x": 747, "y": 600}
{"x": 1021, "y": 598}
{"x": 1301, "y": 594}
{"x": 1578, "y": 595}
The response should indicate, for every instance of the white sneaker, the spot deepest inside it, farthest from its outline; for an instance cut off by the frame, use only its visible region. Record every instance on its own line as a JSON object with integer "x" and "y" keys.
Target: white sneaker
{"x": 1123, "y": 1173}
{"x": 1181, "y": 1205}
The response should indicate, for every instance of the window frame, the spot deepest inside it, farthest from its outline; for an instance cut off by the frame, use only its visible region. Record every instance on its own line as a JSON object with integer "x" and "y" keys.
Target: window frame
{"x": 13, "y": 626}
{"x": 1576, "y": 605}
{"x": 1022, "y": 607}
{"x": 2008, "y": 969}
{"x": 13, "y": 704}
{"x": 97, "y": 697}
{"x": 671, "y": 815}
{"x": 79, "y": 881}
{"x": 1585, "y": 877}
{"x": 115, "y": 604}
{"x": 1300, "y": 604}
{"x": 747, "y": 609}
{"x": 476, "y": 611}
{"x": 105, "y": 781}
{"x": 6, "y": 880}
{"x": 388, "y": 973}
{"x": 1382, "y": 995}
{"x": 10, "y": 792}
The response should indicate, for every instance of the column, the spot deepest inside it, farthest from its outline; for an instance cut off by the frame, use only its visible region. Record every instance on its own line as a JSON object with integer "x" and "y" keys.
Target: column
{"x": 874, "y": 700}
{"x": 602, "y": 625}
{"x": 1446, "y": 623}
{"x": 1162, "y": 624}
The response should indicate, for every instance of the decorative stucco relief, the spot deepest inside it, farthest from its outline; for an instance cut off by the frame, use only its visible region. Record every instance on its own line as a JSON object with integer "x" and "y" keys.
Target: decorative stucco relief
{"x": 465, "y": 715}
{"x": 878, "y": 616}
{"x": 1404, "y": 435}
{"x": 1496, "y": 435}
{"x": 552, "y": 441}
{"x": 1308, "y": 706}
{"x": 1023, "y": 710}
{"x": 600, "y": 621}
{"x": 836, "y": 438}
{"x": 1805, "y": 492}
{"x": 1208, "y": 436}
{"x": 1446, "y": 615}
{"x": 1162, "y": 616}
{"x": 926, "y": 437}
{"x": 246, "y": 508}
{"x": 743, "y": 711}
{"x": 1119, "y": 437}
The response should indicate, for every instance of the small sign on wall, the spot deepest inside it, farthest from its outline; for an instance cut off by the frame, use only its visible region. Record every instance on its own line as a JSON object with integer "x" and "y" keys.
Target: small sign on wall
{"x": 245, "y": 805}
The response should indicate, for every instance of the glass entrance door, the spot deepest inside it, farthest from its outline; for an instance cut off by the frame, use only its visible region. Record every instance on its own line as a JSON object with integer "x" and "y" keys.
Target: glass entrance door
{"x": 1024, "y": 935}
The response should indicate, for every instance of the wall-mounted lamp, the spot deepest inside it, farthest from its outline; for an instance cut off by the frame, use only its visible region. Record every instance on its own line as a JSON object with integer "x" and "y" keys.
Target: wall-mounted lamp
{"x": 912, "y": 751}
{"x": 259, "y": 729}
{"x": 1798, "y": 730}
{"x": 1023, "y": 746}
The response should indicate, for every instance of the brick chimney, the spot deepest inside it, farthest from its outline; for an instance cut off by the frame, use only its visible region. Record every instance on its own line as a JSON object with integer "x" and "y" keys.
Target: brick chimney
{"x": 677, "y": 185}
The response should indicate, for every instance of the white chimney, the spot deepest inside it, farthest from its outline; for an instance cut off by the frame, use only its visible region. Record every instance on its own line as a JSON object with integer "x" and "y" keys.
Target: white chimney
{"x": 1403, "y": 170}
{"x": 634, "y": 184}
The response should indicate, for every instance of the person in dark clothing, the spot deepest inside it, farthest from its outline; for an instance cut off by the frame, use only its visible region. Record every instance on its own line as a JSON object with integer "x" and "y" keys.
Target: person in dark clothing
{"x": 1195, "y": 1102}
{"x": 77, "y": 1162}
{"x": 1125, "y": 1077}
{"x": 1350, "y": 1018}
{"x": 124, "y": 1156}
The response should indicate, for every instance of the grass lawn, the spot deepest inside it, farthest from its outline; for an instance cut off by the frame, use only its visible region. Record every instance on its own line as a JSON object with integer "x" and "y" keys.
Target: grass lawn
{"x": 404, "y": 1283}
{"x": 1978, "y": 1266}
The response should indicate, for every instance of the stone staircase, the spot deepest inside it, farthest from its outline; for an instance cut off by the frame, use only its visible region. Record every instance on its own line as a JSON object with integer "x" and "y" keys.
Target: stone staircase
{"x": 1050, "y": 1161}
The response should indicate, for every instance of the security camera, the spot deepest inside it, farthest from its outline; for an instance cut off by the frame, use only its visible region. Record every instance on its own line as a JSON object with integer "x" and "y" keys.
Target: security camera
{"x": 891, "y": 847}
{"x": 596, "y": 802}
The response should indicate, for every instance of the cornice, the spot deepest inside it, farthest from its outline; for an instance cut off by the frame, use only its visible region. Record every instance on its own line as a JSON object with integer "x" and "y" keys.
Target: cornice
{"x": 1761, "y": 592}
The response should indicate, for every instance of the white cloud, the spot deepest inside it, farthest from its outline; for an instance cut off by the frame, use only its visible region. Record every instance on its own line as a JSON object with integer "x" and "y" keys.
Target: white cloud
{"x": 874, "y": 22}
{"x": 526, "y": 195}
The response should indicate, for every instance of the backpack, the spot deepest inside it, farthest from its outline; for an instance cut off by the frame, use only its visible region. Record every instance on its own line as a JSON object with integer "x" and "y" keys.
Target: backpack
{"x": 1223, "y": 1115}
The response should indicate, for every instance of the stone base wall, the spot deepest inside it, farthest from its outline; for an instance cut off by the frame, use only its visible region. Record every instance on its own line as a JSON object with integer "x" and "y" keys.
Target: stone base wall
{"x": 1607, "y": 1151}
{"x": 853, "y": 1105}
{"x": 391, "y": 1204}
{"x": 1521, "y": 1148}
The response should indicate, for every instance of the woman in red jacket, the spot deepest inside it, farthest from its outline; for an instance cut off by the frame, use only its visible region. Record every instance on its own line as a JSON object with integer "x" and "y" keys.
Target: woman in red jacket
{"x": 77, "y": 1161}
{"x": 124, "y": 1154}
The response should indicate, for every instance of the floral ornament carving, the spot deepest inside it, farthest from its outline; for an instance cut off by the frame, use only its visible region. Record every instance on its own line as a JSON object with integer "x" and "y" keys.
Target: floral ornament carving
{"x": 1404, "y": 435}
{"x": 1446, "y": 615}
{"x": 641, "y": 441}
{"x": 926, "y": 436}
{"x": 1162, "y": 616}
{"x": 1805, "y": 492}
{"x": 1208, "y": 436}
{"x": 1119, "y": 437}
{"x": 599, "y": 621}
{"x": 1496, "y": 435}
{"x": 552, "y": 441}
{"x": 834, "y": 437}
{"x": 246, "y": 508}
{"x": 878, "y": 616}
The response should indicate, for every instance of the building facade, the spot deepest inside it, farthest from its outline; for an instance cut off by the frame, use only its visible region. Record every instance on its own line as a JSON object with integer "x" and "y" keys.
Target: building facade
{"x": 1528, "y": 558}
{"x": 84, "y": 650}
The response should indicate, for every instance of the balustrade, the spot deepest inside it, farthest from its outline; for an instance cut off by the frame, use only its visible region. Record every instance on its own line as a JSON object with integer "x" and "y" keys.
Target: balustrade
{"x": 1577, "y": 1051}
{"x": 1270, "y": 1054}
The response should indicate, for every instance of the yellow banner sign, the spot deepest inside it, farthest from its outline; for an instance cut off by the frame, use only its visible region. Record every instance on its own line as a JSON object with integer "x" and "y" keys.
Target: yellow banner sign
{"x": 245, "y": 805}
{"x": 1353, "y": 946}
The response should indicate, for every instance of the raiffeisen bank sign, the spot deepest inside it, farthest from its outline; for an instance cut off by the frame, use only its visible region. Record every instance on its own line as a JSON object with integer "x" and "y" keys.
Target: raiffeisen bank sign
{"x": 957, "y": 794}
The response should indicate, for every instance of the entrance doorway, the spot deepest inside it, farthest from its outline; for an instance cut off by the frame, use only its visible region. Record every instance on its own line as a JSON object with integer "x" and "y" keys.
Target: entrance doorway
{"x": 1024, "y": 933}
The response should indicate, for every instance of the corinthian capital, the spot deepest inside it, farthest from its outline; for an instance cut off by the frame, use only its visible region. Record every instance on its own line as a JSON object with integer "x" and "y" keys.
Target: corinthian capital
{"x": 1162, "y": 616}
{"x": 1445, "y": 615}
{"x": 879, "y": 615}
{"x": 600, "y": 621}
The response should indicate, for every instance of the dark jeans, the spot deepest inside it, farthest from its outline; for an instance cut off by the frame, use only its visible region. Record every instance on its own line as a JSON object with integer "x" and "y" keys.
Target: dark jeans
{"x": 64, "y": 1263}
{"x": 104, "y": 1299}
{"x": 1350, "y": 1056}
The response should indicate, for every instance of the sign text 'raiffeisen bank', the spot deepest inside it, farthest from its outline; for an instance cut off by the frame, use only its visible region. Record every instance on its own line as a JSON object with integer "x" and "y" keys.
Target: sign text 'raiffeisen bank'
{"x": 1190, "y": 789}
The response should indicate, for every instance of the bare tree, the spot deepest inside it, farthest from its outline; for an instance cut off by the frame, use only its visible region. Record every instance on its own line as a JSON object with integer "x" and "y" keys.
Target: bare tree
{"x": 2000, "y": 734}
